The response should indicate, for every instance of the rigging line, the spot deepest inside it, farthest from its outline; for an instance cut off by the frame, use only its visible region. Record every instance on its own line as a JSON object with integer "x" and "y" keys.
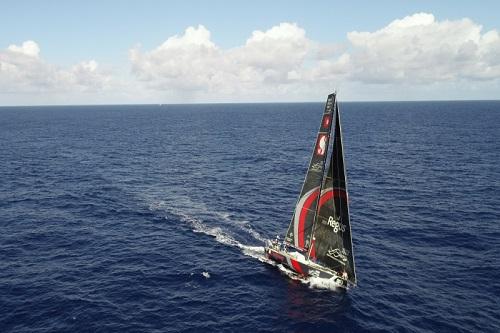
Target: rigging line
{"x": 339, "y": 149}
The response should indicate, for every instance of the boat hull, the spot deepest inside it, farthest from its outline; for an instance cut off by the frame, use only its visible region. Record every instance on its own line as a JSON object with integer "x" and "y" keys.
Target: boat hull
{"x": 301, "y": 266}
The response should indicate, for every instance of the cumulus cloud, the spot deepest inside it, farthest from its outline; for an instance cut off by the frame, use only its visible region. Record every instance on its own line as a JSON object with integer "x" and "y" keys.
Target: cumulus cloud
{"x": 193, "y": 62}
{"x": 420, "y": 49}
{"x": 29, "y": 48}
{"x": 281, "y": 63}
{"x": 282, "y": 48}
{"x": 417, "y": 49}
{"x": 190, "y": 61}
{"x": 23, "y": 70}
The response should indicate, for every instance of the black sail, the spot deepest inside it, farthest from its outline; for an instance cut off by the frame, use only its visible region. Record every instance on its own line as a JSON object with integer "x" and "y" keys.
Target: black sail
{"x": 300, "y": 229}
{"x": 332, "y": 231}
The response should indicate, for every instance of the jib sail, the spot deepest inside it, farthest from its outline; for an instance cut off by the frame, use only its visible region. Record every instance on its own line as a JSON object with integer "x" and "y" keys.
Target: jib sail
{"x": 300, "y": 229}
{"x": 332, "y": 229}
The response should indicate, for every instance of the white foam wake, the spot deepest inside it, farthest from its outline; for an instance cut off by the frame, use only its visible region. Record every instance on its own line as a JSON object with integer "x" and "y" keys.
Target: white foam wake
{"x": 199, "y": 227}
{"x": 319, "y": 283}
{"x": 218, "y": 233}
{"x": 190, "y": 212}
{"x": 256, "y": 252}
{"x": 185, "y": 204}
{"x": 312, "y": 282}
{"x": 242, "y": 225}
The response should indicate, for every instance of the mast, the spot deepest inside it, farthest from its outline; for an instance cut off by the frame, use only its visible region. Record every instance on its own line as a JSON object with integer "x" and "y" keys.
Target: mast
{"x": 300, "y": 228}
{"x": 332, "y": 230}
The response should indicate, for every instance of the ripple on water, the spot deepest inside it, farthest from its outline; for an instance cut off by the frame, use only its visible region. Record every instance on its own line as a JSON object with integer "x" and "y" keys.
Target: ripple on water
{"x": 152, "y": 218}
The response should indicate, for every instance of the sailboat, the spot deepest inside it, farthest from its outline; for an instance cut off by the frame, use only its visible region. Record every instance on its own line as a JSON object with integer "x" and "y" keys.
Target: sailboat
{"x": 318, "y": 241}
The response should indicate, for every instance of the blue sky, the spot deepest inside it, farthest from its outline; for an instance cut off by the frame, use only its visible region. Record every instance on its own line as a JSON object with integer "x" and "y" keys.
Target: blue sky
{"x": 99, "y": 36}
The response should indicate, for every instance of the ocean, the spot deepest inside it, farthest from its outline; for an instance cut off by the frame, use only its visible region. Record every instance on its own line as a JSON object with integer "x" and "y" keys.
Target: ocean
{"x": 151, "y": 218}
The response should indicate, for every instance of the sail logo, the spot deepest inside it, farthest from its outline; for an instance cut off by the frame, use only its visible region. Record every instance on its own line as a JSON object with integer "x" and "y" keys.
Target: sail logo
{"x": 337, "y": 254}
{"x": 335, "y": 224}
{"x": 321, "y": 146}
{"x": 329, "y": 103}
{"x": 317, "y": 167}
{"x": 326, "y": 121}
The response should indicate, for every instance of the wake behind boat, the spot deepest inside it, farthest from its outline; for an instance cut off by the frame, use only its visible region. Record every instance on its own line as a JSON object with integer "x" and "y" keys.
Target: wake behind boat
{"x": 318, "y": 241}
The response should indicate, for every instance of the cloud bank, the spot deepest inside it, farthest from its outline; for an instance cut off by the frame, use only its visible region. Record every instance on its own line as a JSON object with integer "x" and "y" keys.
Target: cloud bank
{"x": 280, "y": 63}
{"x": 193, "y": 63}
{"x": 23, "y": 71}
{"x": 417, "y": 49}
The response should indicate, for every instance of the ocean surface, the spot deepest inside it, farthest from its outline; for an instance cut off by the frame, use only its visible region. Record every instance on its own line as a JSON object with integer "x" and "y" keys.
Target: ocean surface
{"x": 152, "y": 218}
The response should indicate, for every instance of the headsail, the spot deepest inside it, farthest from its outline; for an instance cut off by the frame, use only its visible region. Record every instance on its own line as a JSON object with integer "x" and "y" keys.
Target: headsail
{"x": 300, "y": 229}
{"x": 332, "y": 230}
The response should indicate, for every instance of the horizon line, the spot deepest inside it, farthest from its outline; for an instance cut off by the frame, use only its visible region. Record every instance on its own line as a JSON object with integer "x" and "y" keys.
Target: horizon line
{"x": 276, "y": 102}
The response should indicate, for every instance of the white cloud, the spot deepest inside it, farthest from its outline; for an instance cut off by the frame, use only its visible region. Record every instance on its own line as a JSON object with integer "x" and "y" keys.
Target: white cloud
{"x": 283, "y": 61}
{"x": 416, "y": 57}
{"x": 29, "y": 48}
{"x": 193, "y": 63}
{"x": 188, "y": 62}
{"x": 282, "y": 48}
{"x": 22, "y": 70}
{"x": 419, "y": 49}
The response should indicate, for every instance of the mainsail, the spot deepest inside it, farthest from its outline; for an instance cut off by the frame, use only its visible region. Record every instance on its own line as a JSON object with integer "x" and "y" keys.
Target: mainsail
{"x": 300, "y": 229}
{"x": 332, "y": 229}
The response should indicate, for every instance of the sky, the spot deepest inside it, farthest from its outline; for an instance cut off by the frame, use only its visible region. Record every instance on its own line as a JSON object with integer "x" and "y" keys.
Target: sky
{"x": 127, "y": 52}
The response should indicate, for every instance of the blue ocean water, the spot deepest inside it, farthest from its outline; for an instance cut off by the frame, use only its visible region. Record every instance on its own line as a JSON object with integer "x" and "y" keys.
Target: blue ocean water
{"x": 151, "y": 218}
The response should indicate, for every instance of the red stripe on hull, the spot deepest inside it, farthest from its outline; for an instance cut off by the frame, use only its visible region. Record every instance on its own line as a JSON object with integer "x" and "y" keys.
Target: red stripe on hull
{"x": 276, "y": 256}
{"x": 296, "y": 266}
